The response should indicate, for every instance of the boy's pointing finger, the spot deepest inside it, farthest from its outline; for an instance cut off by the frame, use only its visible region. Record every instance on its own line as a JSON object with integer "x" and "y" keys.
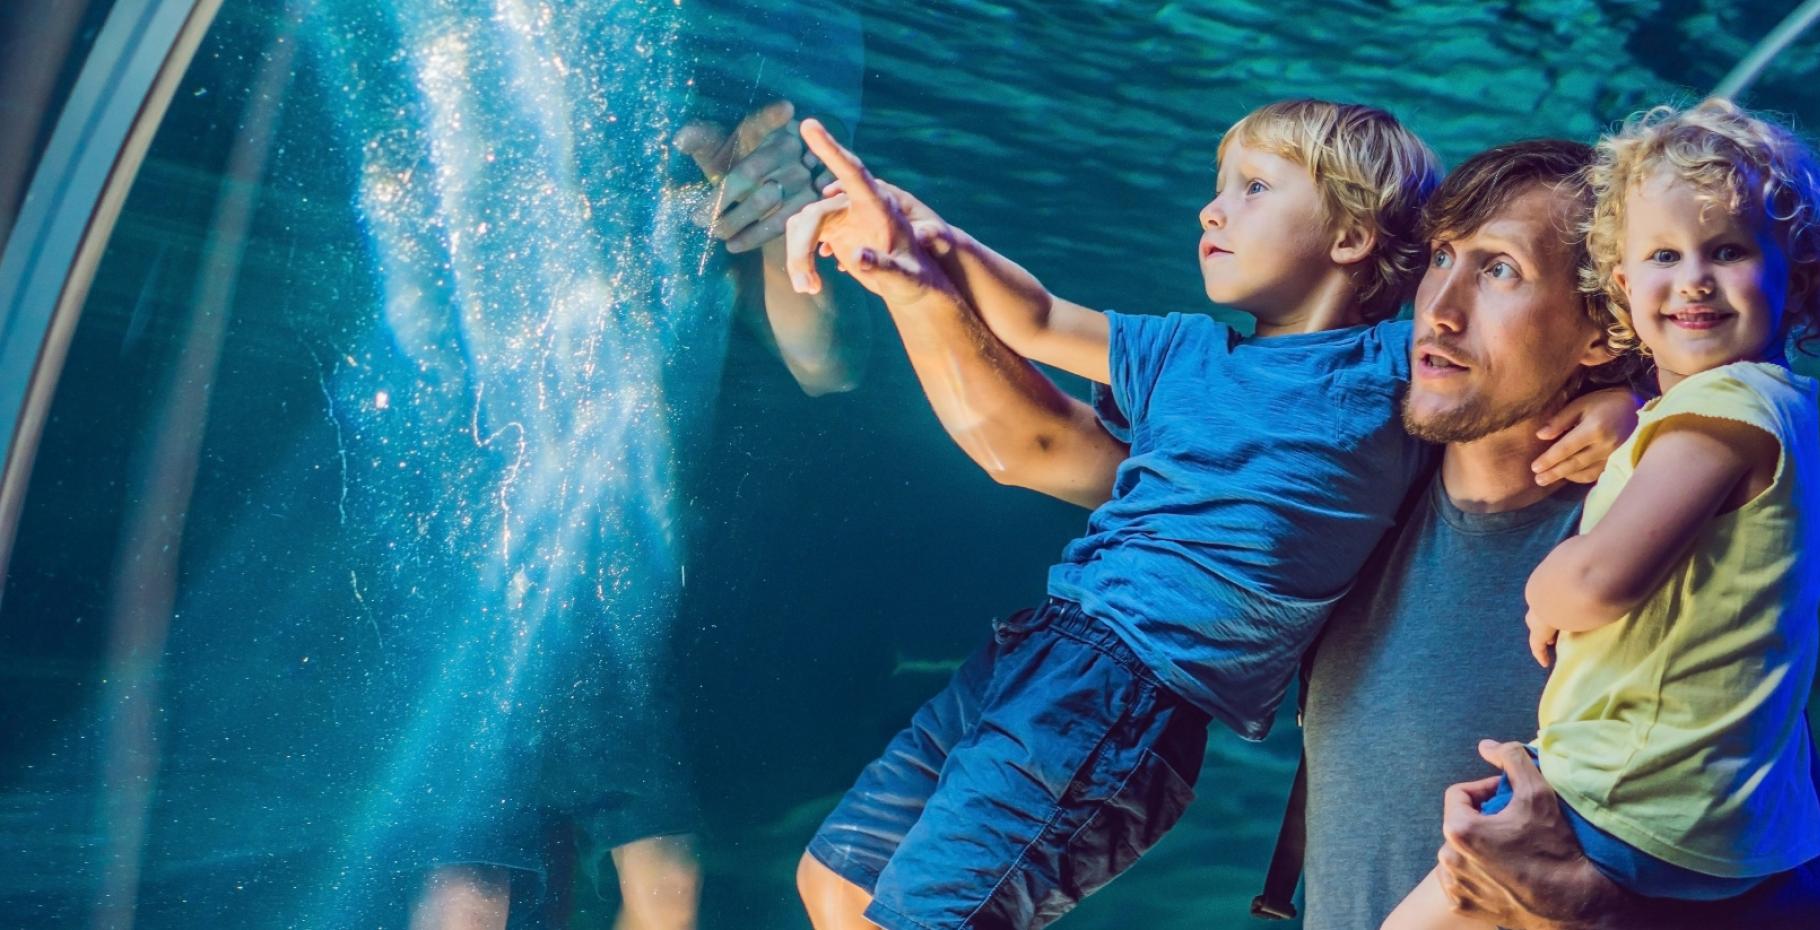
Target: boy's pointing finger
{"x": 846, "y": 166}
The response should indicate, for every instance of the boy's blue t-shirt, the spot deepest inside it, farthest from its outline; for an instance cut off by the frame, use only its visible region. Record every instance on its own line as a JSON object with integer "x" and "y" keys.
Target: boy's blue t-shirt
{"x": 1262, "y": 474}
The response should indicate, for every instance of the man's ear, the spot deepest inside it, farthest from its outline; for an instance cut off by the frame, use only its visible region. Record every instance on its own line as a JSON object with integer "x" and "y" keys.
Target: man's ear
{"x": 1597, "y": 351}
{"x": 1352, "y": 244}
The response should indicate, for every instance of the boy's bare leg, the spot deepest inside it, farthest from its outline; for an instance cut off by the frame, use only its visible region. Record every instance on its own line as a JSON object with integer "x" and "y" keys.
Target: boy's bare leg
{"x": 463, "y": 897}
{"x": 659, "y": 883}
{"x": 1427, "y": 908}
{"x": 833, "y": 902}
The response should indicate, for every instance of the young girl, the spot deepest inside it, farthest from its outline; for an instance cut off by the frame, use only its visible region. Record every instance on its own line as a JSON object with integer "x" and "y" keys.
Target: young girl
{"x": 1673, "y": 727}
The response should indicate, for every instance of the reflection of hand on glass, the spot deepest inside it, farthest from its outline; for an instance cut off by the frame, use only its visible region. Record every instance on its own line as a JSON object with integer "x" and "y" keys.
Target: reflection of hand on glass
{"x": 763, "y": 177}
{"x": 762, "y": 173}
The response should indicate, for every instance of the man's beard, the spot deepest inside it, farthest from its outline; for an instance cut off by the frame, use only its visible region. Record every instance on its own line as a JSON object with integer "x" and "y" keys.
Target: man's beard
{"x": 1476, "y": 418}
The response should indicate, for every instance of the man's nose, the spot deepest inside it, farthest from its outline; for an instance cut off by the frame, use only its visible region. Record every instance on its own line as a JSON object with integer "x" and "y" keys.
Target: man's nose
{"x": 1442, "y": 305}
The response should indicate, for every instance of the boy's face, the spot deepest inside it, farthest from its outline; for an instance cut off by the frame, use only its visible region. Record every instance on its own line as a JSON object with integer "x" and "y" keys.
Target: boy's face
{"x": 1500, "y": 332}
{"x": 1264, "y": 238}
{"x": 1705, "y": 287}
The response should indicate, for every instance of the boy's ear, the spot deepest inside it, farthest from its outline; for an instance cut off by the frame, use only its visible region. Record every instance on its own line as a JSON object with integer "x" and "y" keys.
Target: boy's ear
{"x": 1352, "y": 244}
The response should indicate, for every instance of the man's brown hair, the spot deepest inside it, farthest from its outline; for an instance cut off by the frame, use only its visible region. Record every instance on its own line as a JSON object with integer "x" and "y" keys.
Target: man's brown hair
{"x": 1482, "y": 185}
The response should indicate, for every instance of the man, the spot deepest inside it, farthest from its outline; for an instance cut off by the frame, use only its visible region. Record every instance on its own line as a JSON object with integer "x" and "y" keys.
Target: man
{"x": 1429, "y": 653}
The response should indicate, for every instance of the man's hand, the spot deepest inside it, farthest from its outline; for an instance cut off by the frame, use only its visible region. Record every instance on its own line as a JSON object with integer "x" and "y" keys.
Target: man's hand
{"x": 1521, "y": 867}
{"x": 866, "y": 225}
{"x": 1585, "y": 433}
{"x": 762, "y": 175}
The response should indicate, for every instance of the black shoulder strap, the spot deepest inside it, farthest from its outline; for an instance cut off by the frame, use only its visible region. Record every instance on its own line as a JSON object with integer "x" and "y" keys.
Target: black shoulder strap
{"x": 1277, "y": 902}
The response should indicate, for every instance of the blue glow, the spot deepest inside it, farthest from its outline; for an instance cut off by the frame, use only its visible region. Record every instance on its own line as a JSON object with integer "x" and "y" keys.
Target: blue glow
{"x": 553, "y": 326}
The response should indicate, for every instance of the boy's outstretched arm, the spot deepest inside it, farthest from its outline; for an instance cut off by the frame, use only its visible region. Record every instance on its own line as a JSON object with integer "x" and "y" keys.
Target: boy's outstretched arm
{"x": 1004, "y": 413}
{"x": 1035, "y": 323}
{"x": 1013, "y": 303}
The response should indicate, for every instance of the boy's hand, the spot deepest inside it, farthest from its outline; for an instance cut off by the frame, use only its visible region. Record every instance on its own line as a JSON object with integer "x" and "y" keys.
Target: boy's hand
{"x": 1585, "y": 433}
{"x": 930, "y": 230}
{"x": 1541, "y": 637}
{"x": 866, "y": 226}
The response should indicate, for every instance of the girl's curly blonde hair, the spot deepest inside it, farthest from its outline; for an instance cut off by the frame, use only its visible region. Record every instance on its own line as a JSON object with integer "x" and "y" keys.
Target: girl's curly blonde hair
{"x": 1370, "y": 170}
{"x": 1735, "y": 160}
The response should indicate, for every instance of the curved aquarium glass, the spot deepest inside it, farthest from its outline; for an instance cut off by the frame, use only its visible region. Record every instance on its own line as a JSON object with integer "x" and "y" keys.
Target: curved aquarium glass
{"x": 415, "y": 492}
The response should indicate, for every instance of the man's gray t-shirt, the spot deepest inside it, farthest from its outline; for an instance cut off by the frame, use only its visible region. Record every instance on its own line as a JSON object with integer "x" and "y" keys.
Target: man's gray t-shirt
{"x": 1424, "y": 658}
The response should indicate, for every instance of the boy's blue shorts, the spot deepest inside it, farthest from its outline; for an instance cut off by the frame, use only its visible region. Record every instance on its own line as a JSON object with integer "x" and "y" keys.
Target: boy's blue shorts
{"x": 1046, "y": 767}
{"x": 1629, "y": 867}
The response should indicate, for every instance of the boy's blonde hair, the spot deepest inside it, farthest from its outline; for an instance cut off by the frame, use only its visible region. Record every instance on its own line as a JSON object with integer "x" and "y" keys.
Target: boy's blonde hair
{"x": 1736, "y": 161}
{"x": 1371, "y": 172}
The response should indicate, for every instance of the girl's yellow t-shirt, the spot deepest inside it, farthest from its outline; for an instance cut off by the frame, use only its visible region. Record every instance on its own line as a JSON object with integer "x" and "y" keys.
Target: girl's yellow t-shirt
{"x": 1680, "y": 729}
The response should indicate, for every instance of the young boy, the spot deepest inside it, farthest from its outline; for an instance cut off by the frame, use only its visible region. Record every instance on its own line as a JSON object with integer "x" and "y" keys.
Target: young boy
{"x": 1260, "y": 474}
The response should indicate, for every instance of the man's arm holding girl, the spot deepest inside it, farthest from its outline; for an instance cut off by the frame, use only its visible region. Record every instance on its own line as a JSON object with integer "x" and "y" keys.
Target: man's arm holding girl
{"x": 1523, "y": 869}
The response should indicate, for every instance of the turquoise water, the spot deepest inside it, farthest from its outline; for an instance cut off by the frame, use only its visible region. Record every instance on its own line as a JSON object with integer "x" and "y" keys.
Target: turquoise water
{"x": 414, "y": 436}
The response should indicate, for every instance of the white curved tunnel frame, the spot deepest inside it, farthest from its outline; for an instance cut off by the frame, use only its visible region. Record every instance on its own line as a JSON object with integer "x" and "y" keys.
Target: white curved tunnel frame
{"x": 64, "y": 223}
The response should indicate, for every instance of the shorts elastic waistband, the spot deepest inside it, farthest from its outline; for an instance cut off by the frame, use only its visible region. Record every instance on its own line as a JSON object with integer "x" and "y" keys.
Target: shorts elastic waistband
{"x": 1066, "y": 618}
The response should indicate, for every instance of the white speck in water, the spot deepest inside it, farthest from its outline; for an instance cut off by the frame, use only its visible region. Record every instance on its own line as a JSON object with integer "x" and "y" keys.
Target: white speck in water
{"x": 520, "y": 586}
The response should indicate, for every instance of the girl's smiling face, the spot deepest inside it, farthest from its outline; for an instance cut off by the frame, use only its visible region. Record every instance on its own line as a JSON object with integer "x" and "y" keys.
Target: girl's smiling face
{"x": 1706, "y": 287}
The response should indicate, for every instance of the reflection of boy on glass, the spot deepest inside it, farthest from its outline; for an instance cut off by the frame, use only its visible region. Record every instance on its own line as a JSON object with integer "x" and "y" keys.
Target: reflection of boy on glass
{"x": 1259, "y": 475}
{"x": 602, "y": 753}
